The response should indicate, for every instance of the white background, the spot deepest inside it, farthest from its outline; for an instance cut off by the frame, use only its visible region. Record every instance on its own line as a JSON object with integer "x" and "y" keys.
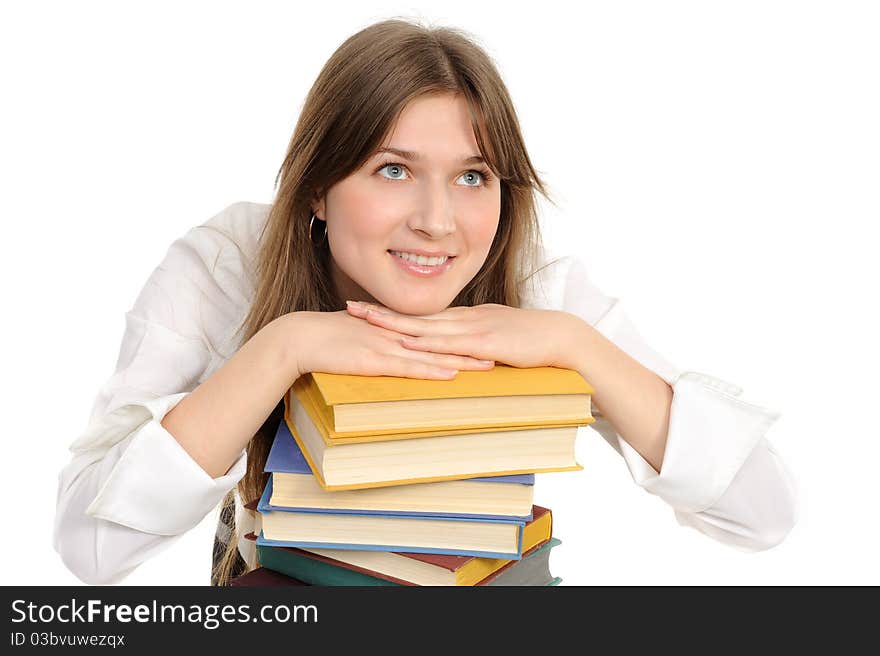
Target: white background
{"x": 717, "y": 162}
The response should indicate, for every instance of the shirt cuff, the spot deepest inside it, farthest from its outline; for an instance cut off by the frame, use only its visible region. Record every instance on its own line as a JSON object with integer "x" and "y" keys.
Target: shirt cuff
{"x": 711, "y": 434}
{"x": 156, "y": 487}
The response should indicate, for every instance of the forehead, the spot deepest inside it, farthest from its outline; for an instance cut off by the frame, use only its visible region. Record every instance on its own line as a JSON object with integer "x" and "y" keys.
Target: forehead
{"x": 436, "y": 125}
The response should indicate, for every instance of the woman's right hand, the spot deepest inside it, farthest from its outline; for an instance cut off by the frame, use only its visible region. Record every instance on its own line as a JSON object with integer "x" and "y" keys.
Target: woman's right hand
{"x": 338, "y": 343}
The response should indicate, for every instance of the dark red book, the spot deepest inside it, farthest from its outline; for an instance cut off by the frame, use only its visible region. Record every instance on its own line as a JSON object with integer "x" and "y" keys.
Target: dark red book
{"x": 262, "y": 576}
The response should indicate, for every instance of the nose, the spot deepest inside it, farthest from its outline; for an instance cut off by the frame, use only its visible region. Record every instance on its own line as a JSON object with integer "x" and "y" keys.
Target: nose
{"x": 435, "y": 214}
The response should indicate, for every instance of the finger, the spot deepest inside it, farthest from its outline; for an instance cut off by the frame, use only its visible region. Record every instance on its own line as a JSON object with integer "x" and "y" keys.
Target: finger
{"x": 450, "y": 361}
{"x": 414, "y": 325}
{"x": 410, "y": 368}
{"x": 359, "y": 309}
{"x": 355, "y": 308}
{"x": 471, "y": 345}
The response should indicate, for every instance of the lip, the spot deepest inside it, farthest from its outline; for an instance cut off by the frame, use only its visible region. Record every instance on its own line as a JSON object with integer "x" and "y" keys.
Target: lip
{"x": 416, "y": 251}
{"x": 423, "y": 271}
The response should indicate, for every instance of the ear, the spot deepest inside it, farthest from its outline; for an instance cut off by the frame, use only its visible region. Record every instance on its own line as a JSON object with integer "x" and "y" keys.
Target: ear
{"x": 318, "y": 208}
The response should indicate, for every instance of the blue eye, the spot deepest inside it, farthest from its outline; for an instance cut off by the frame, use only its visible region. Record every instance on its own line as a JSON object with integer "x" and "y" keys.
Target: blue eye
{"x": 393, "y": 167}
{"x": 473, "y": 174}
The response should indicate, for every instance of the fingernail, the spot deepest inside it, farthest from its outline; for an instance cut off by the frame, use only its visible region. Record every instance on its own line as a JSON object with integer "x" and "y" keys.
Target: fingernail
{"x": 354, "y": 303}
{"x": 487, "y": 361}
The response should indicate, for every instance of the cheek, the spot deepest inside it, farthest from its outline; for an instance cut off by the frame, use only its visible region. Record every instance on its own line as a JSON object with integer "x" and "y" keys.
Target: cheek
{"x": 486, "y": 230}
{"x": 483, "y": 225}
{"x": 359, "y": 215}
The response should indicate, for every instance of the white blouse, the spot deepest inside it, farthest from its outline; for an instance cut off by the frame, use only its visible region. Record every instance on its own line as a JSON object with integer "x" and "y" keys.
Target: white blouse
{"x": 720, "y": 474}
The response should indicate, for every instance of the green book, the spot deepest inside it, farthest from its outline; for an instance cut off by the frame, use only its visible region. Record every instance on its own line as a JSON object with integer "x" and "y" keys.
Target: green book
{"x": 311, "y": 570}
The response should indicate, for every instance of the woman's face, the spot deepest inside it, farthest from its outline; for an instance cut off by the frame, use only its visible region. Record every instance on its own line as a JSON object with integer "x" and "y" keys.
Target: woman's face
{"x": 439, "y": 198}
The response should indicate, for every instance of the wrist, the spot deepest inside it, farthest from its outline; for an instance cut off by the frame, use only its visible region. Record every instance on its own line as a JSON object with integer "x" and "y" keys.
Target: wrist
{"x": 286, "y": 334}
{"x": 576, "y": 336}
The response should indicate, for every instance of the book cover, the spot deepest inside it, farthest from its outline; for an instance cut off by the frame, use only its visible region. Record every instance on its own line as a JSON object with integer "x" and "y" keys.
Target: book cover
{"x": 319, "y": 571}
{"x": 263, "y": 576}
{"x": 532, "y": 570}
{"x": 502, "y": 380}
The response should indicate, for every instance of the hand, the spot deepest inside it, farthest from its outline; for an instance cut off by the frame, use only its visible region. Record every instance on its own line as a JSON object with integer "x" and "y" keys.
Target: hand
{"x": 514, "y": 336}
{"x": 339, "y": 343}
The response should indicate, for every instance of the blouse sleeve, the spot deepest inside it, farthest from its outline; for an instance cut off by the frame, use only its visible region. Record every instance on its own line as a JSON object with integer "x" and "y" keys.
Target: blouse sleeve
{"x": 130, "y": 490}
{"x": 720, "y": 474}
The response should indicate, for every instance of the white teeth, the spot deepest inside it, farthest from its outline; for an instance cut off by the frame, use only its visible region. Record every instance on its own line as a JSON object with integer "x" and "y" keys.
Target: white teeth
{"x": 420, "y": 259}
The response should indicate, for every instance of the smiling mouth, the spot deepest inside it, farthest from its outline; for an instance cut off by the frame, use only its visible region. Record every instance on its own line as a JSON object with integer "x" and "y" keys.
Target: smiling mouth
{"x": 421, "y": 260}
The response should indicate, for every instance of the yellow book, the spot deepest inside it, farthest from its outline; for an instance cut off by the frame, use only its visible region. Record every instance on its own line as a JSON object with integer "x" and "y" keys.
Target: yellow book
{"x": 453, "y": 446}
{"x": 505, "y": 396}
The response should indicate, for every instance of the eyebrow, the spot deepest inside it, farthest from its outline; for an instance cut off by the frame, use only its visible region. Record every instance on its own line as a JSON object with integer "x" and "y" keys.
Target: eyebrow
{"x": 414, "y": 157}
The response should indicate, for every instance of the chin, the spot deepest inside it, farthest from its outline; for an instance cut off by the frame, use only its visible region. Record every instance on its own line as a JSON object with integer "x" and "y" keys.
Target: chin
{"x": 419, "y": 307}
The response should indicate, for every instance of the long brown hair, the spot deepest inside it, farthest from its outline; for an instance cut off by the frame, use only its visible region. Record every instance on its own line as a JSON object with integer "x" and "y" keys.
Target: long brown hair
{"x": 349, "y": 110}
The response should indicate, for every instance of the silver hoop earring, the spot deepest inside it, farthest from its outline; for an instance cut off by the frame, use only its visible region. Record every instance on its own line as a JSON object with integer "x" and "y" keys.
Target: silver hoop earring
{"x": 320, "y": 243}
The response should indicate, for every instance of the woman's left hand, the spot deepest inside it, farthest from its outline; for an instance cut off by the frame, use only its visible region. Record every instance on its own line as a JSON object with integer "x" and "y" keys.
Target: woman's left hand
{"x": 514, "y": 336}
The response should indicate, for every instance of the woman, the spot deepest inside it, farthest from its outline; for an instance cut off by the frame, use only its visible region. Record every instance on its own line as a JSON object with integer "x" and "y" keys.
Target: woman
{"x": 408, "y": 190}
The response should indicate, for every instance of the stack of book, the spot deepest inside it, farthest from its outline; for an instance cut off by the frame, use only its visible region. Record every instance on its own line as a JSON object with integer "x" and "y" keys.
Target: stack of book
{"x": 384, "y": 480}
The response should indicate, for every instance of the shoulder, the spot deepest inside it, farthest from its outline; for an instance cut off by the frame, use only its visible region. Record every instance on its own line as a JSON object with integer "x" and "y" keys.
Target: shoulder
{"x": 235, "y": 230}
{"x": 239, "y": 223}
{"x": 223, "y": 248}
{"x": 206, "y": 279}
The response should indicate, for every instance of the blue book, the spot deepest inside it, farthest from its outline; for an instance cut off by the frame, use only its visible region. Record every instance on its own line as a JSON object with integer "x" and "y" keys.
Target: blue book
{"x": 296, "y": 488}
{"x": 487, "y": 537}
